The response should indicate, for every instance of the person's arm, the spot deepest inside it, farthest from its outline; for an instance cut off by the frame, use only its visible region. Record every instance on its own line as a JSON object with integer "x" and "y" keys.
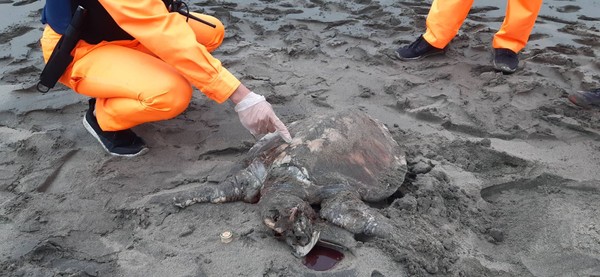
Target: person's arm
{"x": 169, "y": 37}
{"x": 257, "y": 115}
{"x": 240, "y": 93}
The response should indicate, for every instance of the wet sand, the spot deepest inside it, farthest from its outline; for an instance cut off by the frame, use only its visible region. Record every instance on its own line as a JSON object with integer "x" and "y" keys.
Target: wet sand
{"x": 503, "y": 170}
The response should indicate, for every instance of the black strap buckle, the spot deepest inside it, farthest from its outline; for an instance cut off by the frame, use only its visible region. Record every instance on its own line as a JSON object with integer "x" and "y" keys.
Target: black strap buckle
{"x": 183, "y": 9}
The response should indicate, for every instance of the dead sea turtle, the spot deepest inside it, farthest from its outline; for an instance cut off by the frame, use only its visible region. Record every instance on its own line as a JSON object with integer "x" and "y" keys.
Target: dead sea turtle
{"x": 339, "y": 161}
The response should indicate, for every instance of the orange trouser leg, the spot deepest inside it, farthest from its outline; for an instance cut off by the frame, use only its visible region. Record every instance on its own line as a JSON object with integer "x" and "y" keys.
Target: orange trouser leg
{"x": 518, "y": 23}
{"x": 444, "y": 20}
{"x": 131, "y": 85}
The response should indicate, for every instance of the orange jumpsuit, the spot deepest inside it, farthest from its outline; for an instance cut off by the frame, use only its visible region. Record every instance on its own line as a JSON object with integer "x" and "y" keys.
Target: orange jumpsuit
{"x": 446, "y": 16}
{"x": 149, "y": 78}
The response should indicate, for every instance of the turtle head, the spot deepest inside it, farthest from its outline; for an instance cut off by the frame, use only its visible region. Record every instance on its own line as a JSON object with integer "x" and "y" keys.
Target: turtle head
{"x": 297, "y": 229}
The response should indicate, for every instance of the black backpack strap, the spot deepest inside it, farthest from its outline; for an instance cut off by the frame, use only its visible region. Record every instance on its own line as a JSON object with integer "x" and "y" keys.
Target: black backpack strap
{"x": 61, "y": 55}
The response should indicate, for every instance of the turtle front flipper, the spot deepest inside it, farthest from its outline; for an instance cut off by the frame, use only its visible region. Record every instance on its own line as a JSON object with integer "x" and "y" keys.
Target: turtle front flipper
{"x": 336, "y": 237}
{"x": 348, "y": 211}
{"x": 243, "y": 186}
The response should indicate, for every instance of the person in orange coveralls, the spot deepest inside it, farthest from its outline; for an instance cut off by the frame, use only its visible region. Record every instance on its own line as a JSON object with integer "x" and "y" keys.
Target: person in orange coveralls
{"x": 138, "y": 61}
{"x": 446, "y": 16}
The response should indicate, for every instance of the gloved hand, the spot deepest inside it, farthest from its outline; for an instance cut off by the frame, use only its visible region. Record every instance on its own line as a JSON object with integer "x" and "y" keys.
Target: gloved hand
{"x": 257, "y": 115}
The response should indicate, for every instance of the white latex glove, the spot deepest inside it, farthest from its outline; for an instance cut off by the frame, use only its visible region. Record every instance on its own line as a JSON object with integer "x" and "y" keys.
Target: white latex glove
{"x": 257, "y": 115}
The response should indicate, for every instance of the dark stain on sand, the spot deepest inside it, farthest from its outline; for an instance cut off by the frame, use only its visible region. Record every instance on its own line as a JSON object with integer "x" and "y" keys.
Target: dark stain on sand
{"x": 322, "y": 258}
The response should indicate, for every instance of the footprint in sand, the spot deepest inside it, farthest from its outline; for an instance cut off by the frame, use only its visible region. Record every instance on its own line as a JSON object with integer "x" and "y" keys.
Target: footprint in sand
{"x": 12, "y": 32}
{"x": 568, "y": 9}
{"x": 588, "y": 18}
{"x": 24, "y": 2}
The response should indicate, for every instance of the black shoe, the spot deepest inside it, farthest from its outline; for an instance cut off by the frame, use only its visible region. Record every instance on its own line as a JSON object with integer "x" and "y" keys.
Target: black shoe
{"x": 505, "y": 60}
{"x": 123, "y": 143}
{"x": 586, "y": 99}
{"x": 417, "y": 50}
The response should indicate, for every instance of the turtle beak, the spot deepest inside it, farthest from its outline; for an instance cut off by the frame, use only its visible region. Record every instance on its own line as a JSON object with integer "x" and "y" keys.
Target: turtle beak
{"x": 301, "y": 251}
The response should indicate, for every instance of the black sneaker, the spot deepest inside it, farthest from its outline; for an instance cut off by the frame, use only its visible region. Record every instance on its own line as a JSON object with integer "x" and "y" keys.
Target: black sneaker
{"x": 505, "y": 60}
{"x": 417, "y": 50}
{"x": 123, "y": 143}
{"x": 586, "y": 99}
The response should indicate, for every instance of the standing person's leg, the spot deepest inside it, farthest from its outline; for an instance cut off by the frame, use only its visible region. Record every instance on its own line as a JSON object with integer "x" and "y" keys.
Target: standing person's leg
{"x": 443, "y": 22}
{"x": 518, "y": 23}
{"x": 514, "y": 33}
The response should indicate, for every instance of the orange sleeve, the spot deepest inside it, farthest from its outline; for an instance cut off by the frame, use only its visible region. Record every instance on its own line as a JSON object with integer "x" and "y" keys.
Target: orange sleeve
{"x": 169, "y": 37}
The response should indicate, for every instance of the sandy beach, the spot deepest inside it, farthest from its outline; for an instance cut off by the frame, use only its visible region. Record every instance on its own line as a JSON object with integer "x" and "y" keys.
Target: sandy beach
{"x": 503, "y": 177}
